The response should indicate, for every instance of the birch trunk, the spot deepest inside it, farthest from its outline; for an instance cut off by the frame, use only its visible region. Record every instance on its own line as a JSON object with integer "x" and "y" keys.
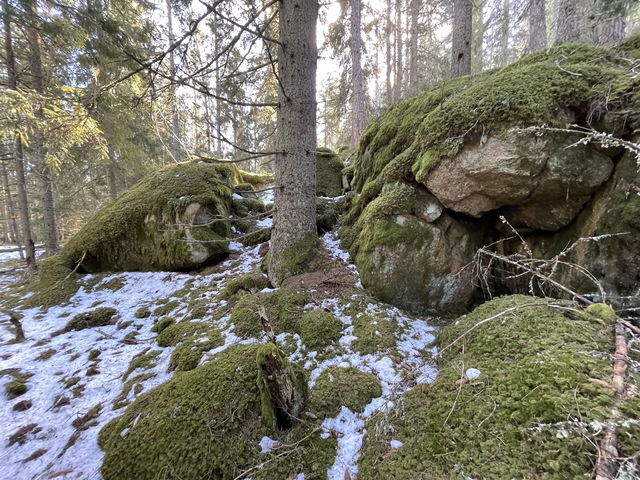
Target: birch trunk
{"x": 461, "y": 38}
{"x": 295, "y": 164}
{"x": 358, "y": 120}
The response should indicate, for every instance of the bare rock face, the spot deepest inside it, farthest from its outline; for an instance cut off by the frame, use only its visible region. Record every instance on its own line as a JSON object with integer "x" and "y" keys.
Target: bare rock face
{"x": 540, "y": 183}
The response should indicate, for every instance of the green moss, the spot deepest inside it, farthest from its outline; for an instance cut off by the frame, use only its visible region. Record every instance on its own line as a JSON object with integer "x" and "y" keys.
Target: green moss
{"x": 162, "y": 324}
{"x": 205, "y": 423}
{"x": 328, "y": 212}
{"x": 343, "y": 386}
{"x": 306, "y": 255}
{"x": 511, "y": 421}
{"x": 16, "y": 387}
{"x": 318, "y": 329}
{"x": 250, "y": 283}
{"x": 602, "y": 312}
{"x": 46, "y": 355}
{"x": 329, "y": 167}
{"x": 142, "y": 312}
{"x": 257, "y": 180}
{"x": 166, "y": 308}
{"x": 374, "y": 334}
{"x": 56, "y": 283}
{"x": 71, "y": 382}
{"x": 283, "y": 308}
{"x": 188, "y": 353}
{"x": 100, "y": 317}
{"x": 176, "y": 332}
{"x": 114, "y": 284}
{"x": 143, "y": 361}
{"x": 134, "y": 384}
{"x": 93, "y": 354}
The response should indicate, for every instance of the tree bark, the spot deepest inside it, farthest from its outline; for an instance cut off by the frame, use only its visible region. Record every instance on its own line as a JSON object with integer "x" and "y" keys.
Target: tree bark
{"x": 111, "y": 175}
{"x": 397, "y": 87}
{"x": 537, "y": 26}
{"x": 358, "y": 119}
{"x": 576, "y": 21}
{"x": 23, "y": 202}
{"x": 461, "y": 38}
{"x": 176, "y": 151}
{"x": 389, "y": 57}
{"x": 295, "y": 164}
{"x": 11, "y": 211}
{"x": 413, "y": 46}
{"x": 39, "y": 152}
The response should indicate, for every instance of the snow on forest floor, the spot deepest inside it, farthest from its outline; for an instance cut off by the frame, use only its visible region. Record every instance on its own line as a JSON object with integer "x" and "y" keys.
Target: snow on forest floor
{"x": 80, "y": 380}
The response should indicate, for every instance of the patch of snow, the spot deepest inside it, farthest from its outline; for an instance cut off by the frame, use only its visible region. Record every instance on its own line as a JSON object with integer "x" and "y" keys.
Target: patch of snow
{"x": 472, "y": 373}
{"x": 265, "y": 223}
{"x": 395, "y": 444}
{"x": 267, "y": 444}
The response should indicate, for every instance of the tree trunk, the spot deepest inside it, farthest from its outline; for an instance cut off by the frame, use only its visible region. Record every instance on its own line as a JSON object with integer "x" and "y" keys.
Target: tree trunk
{"x": 111, "y": 175}
{"x": 397, "y": 87}
{"x": 14, "y": 235}
{"x": 39, "y": 152}
{"x": 612, "y": 25}
{"x": 576, "y": 21}
{"x": 503, "y": 53}
{"x": 461, "y": 38}
{"x": 23, "y": 202}
{"x": 389, "y": 57}
{"x": 295, "y": 164}
{"x": 537, "y": 26}
{"x": 175, "y": 119}
{"x": 358, "y": 120}
{"x": 413, "y": 46}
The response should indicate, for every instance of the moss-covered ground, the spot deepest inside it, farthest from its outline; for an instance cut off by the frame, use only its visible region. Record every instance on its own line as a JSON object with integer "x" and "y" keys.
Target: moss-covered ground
{"x": 528, "y": 412}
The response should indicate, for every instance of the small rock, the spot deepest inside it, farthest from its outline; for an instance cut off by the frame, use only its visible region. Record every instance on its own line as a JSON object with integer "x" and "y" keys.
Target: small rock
{"x": 22, "y": 405}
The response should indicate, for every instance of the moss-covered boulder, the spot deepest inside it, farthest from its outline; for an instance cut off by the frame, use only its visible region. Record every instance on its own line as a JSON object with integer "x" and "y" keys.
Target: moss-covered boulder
{"x": 518, "y": 396}
{"x": 329, "y": 167}
{"x": 438, "y": 172}
{"x": 206, "y": 423}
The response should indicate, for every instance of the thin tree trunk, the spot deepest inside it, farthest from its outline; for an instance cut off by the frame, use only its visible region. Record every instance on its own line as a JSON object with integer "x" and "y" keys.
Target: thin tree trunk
{"x": 176, "y": 151}
{"x": 23, "y": 202}
{"x": 503, "y": 53}
{"x": 537, "y": 26}
{"x": 11, "y": 211}
{"x": 358, "y": 120}
{"x": 477, "y": 42}
{"x": 461, "y": 38}
{"x": 295, "y": 165}
{"x": 397, "y": 88}
{"x": 389, "y": 57}
{"x": 413, "y": 46}
{"x": 111, "y": 175}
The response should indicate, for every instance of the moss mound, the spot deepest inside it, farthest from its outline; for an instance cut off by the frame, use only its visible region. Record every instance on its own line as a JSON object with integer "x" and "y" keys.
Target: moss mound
{"x": 206, "y": 424}
{"x": 282, "y": 307}
{"x": 249, "y": 283}
{"x": 525, "y": 413}
{"x": 100, "y": 317}
{"x": 329, "y": 167}
{"x": 188, "y": 353}
{"x": 318, "y": 329}
{"x": 340, "y": 386}
{"x": 175, "y": 332}
{"x": 374, "y": 334}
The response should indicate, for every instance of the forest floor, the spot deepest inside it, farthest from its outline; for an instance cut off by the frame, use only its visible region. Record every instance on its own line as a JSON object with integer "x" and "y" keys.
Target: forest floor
{"x": 79, "y": 380}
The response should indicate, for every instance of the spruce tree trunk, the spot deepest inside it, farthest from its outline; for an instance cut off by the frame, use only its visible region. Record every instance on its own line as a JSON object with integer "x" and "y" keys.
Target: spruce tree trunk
{"x": 39, "y": 152}
{"x": 23, "y": 201}
{"x": 295, "y": 164}
{"x": 537, "y": 26}
{"x": 389, "y": 57}
{"x": 175, "y": 119}
{"x": 14, "y": 235}
{"x": 461, "y": 38}
{"x": 397, "y": 87}
{"x": 577, "y": 21}
{"x": 413, "y": 46}
{"x": 358, "y": 119}
{"x": 111, "y": 175}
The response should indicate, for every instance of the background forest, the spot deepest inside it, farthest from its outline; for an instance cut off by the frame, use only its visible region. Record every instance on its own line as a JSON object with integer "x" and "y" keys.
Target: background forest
{"x": 96, "y": 93}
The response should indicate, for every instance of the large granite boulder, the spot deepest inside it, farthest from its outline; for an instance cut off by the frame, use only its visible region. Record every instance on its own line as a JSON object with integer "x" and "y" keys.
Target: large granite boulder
{"x": 467, "y": 172}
